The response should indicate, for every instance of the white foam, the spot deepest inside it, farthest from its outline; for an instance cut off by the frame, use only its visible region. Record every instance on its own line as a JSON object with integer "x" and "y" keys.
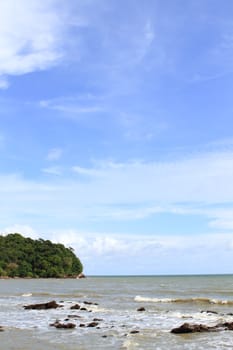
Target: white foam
{"x": 153, "y": 300}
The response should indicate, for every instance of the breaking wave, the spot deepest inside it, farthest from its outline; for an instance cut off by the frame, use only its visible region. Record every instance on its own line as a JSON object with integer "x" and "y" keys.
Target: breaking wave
{"x": 202, "y": 300}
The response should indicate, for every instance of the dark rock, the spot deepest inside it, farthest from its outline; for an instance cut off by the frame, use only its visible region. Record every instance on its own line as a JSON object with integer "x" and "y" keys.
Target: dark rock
{"x": 228, "y": 325}
{"x": 134, "y": 332}
{"x": 190, "y": 328}
{"x": 89, "y": 303}
{"x": 83, "y": 309}
{"x": 195, "y": 328}
{"x": 104, "y": 336}
{"x": 1, "y": 329}
{"x": 57, "y": 324}
{"x": 43, "y": 306}
{"x": 75, "y": 307}
{"x": 82, "y": 325}
{"x": 141, "y": 309}
{"x": 74, "y": 316}
{"x": 92, "y": 324}
{"x": 97, "y": 319}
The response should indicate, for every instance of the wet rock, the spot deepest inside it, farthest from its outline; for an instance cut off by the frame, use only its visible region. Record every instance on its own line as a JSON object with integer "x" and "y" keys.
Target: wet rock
{"x": 190, "y": 328}
{"x": 74, "y": 316}
{"x": 92, "y": 324}
{"x": 228, "y": 326}
{"x": 134, "y": 332}
{"x": 83, "y": 309}
{"x": 60, "y": 325}
{"x": 141, "y": 309}
{"x": 75, "y": 307}
{"x": 196, "y": 328}
{"x": 104, "y": 336}
{"x": 82, "y": 325}
{"x": 97, "y": 319}
{"x": 1, "y": 329}
{"x": 42, "y": 306}
{"x": 89, "y": 303}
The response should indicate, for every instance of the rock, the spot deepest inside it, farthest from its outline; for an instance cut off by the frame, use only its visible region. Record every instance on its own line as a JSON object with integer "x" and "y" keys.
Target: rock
{"x": 228, "y": 326}
{"x": 82, "y": 325}
{"x": 89, "y": 303}
{"x": 74, "y": 316}
{"x": 190, "y": 328}
{"x": 141, "y": 309}
{"x": 75, "y": 307}
{"x": 43, "y": 306}
{"x": 81, "y": 275}
{"x": 83, "y": 309}
{"x": 92, "y": 324}
{"x": 97, "y": 319}
{"x": 134, "y": 332}
{"x": 58, "y": 324}
{"x": 1, "y": 329}
{"x": 196, "y": 328}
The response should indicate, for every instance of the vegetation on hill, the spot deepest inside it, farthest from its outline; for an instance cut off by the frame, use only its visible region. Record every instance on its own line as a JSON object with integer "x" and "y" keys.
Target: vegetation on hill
{"x": 25, "y": 257}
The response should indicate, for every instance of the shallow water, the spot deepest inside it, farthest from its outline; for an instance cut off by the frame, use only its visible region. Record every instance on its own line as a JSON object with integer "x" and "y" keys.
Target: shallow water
{"x": 169, "y": 301}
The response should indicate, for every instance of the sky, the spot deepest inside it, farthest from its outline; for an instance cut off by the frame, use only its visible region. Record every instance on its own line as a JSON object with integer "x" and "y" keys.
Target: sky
{"x": 116, "y": 131}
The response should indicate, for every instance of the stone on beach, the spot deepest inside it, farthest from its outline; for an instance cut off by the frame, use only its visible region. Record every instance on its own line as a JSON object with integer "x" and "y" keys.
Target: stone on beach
{"x": 197, "y": 328}
{"x": 141, "y": 309}
{"x": 59, "y": 325}
{"x": 75, "y": 307}
{"x": 42, "y": 306}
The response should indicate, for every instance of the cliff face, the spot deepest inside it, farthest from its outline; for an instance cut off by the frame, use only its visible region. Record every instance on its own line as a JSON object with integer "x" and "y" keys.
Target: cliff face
{"x": 25, "y": 257}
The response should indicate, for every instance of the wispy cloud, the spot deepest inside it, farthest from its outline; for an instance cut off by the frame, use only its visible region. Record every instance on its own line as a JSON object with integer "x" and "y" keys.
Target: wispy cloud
{"x": 54, "y": 154}
{"x": 53, "y": 170}
{"x": 198, "y": 185}
{"x": 87, "y": 171}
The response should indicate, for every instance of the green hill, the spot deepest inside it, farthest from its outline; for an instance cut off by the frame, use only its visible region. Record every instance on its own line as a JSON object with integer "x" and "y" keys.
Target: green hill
{"x": 25, "y": 257}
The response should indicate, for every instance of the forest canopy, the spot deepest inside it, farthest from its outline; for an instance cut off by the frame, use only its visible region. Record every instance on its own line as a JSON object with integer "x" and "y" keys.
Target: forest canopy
{"x": 25, "y": 257}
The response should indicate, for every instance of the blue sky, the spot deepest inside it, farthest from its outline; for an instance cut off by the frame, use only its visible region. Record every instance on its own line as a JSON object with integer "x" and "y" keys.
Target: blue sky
{"x": 116, "y": 131}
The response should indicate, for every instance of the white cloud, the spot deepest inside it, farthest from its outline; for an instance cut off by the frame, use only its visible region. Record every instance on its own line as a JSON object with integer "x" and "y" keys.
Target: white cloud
{"x": 25, "y": 230}
{"x": 135, "y": 254}
{"x": 53, "y": 170}
{"x": 31, "y": 35}
{"x": 54, "y": 154}
{"x": 73, "y": 108}
{"x": 125, "y": 191}
{"x": 87, "y": 171}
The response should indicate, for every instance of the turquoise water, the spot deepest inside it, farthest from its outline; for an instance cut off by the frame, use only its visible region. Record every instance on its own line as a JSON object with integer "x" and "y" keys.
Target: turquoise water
{"x": 169, "y": 301}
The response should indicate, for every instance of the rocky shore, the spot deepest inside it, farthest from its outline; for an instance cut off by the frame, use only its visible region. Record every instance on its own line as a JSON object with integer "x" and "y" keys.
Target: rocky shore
{"x": 78, "y": 320}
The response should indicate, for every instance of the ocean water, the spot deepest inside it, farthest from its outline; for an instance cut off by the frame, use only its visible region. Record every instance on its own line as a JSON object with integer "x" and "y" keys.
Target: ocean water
{"x": 169, "y": 301}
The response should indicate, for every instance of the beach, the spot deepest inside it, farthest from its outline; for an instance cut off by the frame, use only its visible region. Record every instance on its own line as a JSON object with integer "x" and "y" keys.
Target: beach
{"x": 115, "y": 303}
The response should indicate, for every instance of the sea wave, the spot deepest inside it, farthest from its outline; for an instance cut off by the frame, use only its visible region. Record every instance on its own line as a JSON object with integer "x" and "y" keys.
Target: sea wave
{"x": 202, "y": 300}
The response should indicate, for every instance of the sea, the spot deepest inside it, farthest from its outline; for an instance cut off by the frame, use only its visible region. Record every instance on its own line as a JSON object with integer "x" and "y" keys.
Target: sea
{"x": 113, "y": 304}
